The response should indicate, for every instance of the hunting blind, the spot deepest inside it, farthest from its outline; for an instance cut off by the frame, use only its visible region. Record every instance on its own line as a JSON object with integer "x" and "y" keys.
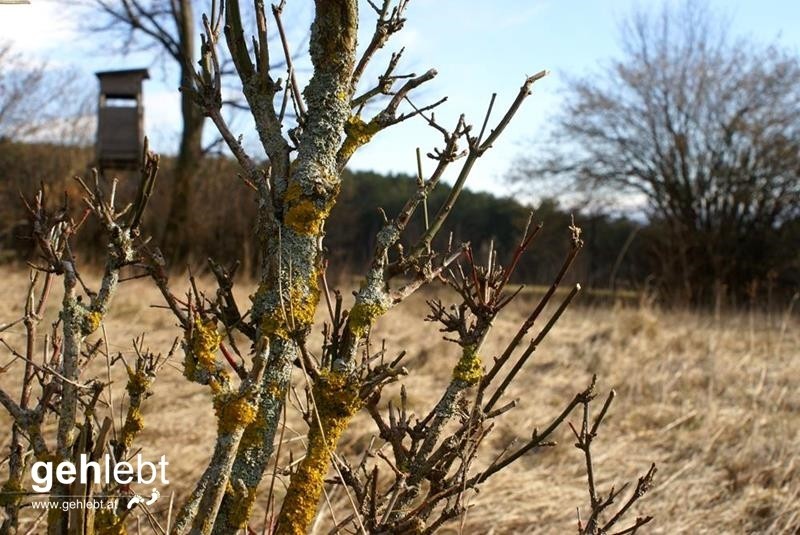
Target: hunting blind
{"x": 120, "y": 118}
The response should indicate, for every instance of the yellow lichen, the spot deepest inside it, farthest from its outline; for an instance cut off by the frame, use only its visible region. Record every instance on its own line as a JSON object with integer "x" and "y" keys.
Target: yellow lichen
{"x": 274, "y": 326}
{"x": 134, "y": 423}
{"x": 233, "y": 412}
{"x": 304, "y": 303}
{"x": 469, "y": 368}
{"x": 336, "y": 394}
{"x": 337, "y": 400}
{"x": 106, "y": 522}
{"x": 138, "y": 386}
{"x": 91, "y": 321}
{"x": 304, "y": 217}
{"x": 275, "y": 390}
{"x": 255, "y": 432}
{"x": 242, "y": 500}
{"x": 203, "y": 345}
{"x": 362, "y": 316}
{"x": 215, "y": 385}
{"x": 138, "y": 383}
{"x": 296, "y": 314}
{"x": 358, "y": 134}
{"x": 303, "y": 214}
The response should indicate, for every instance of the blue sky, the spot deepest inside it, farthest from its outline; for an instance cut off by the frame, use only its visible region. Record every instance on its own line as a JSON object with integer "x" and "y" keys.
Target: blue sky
{"x": 478, "y": 47}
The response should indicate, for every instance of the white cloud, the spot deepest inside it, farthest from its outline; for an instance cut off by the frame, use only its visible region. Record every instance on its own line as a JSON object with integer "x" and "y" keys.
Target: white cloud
{"x": 37, "y": 28}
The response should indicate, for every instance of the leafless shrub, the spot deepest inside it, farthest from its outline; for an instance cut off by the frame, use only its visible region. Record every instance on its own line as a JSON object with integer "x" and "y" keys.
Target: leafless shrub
{"x": 431, "y": 464}
{"x": 63, "y": 394}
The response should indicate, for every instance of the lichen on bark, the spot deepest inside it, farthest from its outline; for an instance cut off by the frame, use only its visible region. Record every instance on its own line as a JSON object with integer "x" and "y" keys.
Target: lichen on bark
{"x": 469, "y": 368}
{"x": 362, "y": 316}
{"x": 233, "y": 411}
{"x": 106, "y": 522}
{"x": 336, "y": 400}
{"x": 284, "y": 307}
{"x": 305, "y": 213}
{"x": 91, "y": 321}
{"x": 200, "y": 363}
{"x": 358, "y": 133}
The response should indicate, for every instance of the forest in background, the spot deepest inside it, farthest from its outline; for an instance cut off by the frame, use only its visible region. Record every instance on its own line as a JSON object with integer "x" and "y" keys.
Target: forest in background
{"x": 620, "y": 253}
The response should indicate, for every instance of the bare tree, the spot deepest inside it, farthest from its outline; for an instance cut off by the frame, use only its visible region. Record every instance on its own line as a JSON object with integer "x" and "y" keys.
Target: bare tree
{"x": 295, "y": 195}
{"x": 432, "y": 458}
{"x": 38, "y": 102}
{"x": 706, "y": 129}
{"x": 170, "y": 28}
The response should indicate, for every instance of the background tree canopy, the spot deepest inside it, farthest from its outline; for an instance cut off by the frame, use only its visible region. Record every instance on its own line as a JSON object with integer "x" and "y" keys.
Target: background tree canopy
{"x": 479, "y": 217}
{"x": 620, "y": 253}
{"x": 706, "y": 130}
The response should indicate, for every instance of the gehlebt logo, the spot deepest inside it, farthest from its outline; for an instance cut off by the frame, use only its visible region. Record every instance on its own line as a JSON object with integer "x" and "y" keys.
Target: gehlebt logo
{"x": 46, "y": 474}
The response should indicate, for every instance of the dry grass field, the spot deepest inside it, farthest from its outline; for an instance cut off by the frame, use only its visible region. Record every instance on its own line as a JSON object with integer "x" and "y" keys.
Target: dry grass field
{"x": 713, "y": 401}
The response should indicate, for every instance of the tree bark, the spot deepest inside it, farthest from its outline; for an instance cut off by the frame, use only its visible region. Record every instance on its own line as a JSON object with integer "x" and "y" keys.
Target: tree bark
{"x": 287, "y": 298}
{"x": 190, "y": 153}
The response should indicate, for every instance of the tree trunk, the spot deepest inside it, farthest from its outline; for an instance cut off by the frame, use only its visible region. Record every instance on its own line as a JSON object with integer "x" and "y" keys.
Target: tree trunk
{"x": 175, "y": 237}
{"x": 291, "y": 269}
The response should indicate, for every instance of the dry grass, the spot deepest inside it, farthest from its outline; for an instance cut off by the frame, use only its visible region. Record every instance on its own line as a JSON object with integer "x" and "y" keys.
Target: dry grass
{"x": 713, "y": 401}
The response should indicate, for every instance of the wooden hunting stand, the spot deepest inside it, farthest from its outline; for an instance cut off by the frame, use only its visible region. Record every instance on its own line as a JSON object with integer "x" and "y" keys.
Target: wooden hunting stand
{"x": 120, "y": 119}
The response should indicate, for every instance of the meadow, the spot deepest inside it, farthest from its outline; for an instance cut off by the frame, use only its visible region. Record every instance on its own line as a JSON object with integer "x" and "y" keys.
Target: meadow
{"x": 711, "y": 397}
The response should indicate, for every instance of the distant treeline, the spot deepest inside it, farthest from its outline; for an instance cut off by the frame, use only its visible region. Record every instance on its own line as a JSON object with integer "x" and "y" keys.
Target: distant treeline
{"x": 482, "y": 219}
{"x": 618, "y": 252}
